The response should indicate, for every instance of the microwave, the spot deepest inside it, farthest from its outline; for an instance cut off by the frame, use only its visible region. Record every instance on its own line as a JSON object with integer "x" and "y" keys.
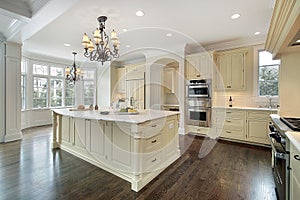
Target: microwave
{"x": 198, "y": 89}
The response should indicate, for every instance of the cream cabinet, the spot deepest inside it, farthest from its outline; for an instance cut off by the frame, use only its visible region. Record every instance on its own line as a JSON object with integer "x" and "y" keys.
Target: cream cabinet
{"x": 258, "y": 126}
{"x": 231, "y": 66}
{"x": 249, "y": 125}
{"x": 135, "y": 71}
{"x": 136, "y": 152}
{"x": 231, "y": 124}
{"x": 294, "y": 173}
{"x": 121, "y": 74}
{"x": 170, "y": 80}
{"x": 199, "y": 66}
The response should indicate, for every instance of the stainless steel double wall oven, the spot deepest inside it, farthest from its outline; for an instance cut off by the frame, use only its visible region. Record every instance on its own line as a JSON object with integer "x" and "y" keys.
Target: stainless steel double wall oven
{"x": 199, "y": 102}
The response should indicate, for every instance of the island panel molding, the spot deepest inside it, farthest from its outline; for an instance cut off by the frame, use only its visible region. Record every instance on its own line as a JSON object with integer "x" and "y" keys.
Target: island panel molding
{"x": 135, "y": 148}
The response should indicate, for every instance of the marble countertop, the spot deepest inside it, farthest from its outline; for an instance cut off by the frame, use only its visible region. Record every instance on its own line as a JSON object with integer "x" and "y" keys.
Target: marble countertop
{"x": 294, "y": 137}
{"x": 142, "y": 116}
{"x": 171, "y": 105}
{"x": 247, "y": 108}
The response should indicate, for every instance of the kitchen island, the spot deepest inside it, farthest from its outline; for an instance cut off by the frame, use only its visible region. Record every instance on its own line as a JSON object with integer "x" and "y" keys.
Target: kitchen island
{"x": 134, "y": 147}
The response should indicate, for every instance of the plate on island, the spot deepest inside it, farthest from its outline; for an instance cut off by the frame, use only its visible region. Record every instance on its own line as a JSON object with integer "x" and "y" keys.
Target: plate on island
{"x": 126, "y": 113}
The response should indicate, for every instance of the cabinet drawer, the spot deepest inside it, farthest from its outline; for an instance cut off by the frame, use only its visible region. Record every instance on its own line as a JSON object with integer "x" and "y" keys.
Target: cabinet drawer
{"x": 258, "y": 115}
{"x": 230, "y": 123}
{"x": 151, "y": 144}
{"x": 233, "y": 134}
{"x": 234, "y": 114}
{"x": 151, "y": 128}
{"x": 151, "y": 161}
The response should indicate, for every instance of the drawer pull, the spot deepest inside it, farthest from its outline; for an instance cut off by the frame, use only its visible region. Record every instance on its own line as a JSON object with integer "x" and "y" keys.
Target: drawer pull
{"x": 198, "y": 75}
{"x": 228, "y": 86}
{"x": 228, "y": 112}
{"x": 297, "y": 157}
{"x": 228, "y": 131}
{"x": 154, "y": 125}
{"x": 228, "y": 121}
{"x": 153, "y": 160}
{"x": 153, "y": 141}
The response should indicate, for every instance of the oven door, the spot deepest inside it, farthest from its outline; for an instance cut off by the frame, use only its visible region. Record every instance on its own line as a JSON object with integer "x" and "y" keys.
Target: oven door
{"x": 280, "y": 161}
{"x": 198, "y": 91}
{"x": 199, "y": 116}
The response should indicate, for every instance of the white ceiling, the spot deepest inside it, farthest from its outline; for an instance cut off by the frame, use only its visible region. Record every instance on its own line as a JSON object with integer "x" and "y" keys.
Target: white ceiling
{"x": 53, "y": 23}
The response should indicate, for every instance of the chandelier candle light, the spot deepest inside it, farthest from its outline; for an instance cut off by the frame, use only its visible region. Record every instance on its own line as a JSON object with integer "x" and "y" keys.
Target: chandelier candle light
{"x": 73, "y": 74}
{"x": 100, "y": 51}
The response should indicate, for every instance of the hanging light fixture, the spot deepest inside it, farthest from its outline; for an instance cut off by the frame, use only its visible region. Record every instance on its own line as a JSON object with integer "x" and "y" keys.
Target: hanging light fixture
{"x": 73, "y": 74}
{"x": 100, "y": 51}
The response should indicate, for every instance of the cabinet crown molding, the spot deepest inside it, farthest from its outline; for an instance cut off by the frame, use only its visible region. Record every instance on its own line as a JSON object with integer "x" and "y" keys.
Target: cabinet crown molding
{"x": 284, "y": 17}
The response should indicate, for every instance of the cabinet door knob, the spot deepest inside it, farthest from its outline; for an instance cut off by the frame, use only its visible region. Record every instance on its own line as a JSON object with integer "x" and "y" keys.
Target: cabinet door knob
{"x": 153, "y": 160}
{"x": 228, "y": 86}
{"x": 153, "y": 125}
{"x": 297, "y": 157}
{"x": 198, "y": 75}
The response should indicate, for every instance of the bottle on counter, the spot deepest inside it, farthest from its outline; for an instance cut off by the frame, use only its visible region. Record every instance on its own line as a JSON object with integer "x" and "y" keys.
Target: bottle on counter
{"x": 230, "y": 102}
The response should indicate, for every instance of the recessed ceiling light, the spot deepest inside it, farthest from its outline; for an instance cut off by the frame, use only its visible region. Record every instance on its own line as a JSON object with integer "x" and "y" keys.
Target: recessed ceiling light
{"x": 67, "y": 44}
{"x": 140, "y": 13}
{"x": 125, "y": 29}
{"x": 235, "y": 16}
{"x": 169, "y": 34}
{"x": 298, "y": 41}
{"x": 128, "y": 46}
{"x": 257, "y": 33}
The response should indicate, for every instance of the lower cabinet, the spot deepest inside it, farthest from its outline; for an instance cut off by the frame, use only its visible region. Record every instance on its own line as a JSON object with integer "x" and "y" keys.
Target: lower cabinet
{"x": 242, "y": 124}
{"x": 294, "y": 173}
{"x": 135, "y": 152}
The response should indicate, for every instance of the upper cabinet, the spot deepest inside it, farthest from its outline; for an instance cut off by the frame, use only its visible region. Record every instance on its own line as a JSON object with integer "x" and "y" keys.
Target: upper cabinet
{"x": 199, "y": 66}
{"x": 170, "y": 80}
{"x": 135, "y": 71}
{"x": 231, "y": 66}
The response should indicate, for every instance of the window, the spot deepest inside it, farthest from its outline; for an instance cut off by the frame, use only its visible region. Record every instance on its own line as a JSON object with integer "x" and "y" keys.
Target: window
{"x": 88, "y": 86}
{"x": 268, "y": 71}
{"x": 56, "y": 86}
{"x": 40, "y": 93}
{"x": 40, "y": 69}
{"x": 70, "y": 94}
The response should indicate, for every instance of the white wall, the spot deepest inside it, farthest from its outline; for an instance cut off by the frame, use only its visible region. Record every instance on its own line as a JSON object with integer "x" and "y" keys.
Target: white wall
{"x": 38, "y": 117}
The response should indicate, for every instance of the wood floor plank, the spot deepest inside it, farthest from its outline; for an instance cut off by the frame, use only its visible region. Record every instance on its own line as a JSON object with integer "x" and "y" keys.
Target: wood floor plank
{"x": 30, "y": 169}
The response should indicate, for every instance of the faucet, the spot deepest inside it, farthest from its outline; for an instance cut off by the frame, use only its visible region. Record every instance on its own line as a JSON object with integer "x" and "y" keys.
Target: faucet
{"x": 270, "y": 101}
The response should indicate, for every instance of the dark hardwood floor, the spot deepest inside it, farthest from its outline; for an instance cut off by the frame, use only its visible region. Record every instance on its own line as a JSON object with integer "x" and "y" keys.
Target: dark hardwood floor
{"x": 30, "y": 169}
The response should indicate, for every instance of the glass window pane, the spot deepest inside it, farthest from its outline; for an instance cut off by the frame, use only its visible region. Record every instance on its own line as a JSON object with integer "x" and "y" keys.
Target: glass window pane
{"x": 56, "y": 71}
{"x": 88, "y": 74}
{"x": 40, "y": 69}
{"x": 40, "y": 86}
{"x": 268, "y": 74}
{"x": 88, "y": 87}
{"x": 265, "y": 58}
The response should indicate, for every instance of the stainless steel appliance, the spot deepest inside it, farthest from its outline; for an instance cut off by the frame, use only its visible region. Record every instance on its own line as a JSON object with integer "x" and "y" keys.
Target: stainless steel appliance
{"x": 198, "y": 88}
{"x": 199, "y": 112}
{"x": 280, "y": 152}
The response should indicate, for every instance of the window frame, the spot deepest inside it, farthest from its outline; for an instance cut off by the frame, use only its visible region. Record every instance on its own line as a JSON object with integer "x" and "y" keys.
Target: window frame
{"x": 259, "y": 99}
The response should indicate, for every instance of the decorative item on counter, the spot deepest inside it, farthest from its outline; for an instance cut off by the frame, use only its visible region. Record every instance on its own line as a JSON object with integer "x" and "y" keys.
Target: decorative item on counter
{"x": 81, "y": 107}
{"x": 96, "y": 107}
{"x": 91, "y": 107}
{"x": 230, "y": 102}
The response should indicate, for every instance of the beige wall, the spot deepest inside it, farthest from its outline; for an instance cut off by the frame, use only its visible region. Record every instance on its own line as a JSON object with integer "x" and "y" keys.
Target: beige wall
{"x": 289, "y": 85}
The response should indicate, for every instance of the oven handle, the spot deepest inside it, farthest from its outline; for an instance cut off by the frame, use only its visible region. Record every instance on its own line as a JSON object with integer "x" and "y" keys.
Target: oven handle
{"x": 276, "y": 153}
{"x": 198, "y": 86}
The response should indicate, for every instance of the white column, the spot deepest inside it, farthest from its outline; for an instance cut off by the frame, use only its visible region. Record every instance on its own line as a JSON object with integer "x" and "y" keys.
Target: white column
{"x": 2, "y": 89}
{"x": 12, "y": 92}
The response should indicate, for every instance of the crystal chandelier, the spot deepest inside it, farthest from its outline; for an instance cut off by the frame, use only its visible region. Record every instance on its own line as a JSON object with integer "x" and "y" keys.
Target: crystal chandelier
{"x": 73, "y": 74}
{"x": 100, "y": 51}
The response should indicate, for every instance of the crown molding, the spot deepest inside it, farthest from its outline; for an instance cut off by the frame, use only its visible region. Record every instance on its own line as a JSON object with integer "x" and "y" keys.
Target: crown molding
{"x": 284, "y": 17}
